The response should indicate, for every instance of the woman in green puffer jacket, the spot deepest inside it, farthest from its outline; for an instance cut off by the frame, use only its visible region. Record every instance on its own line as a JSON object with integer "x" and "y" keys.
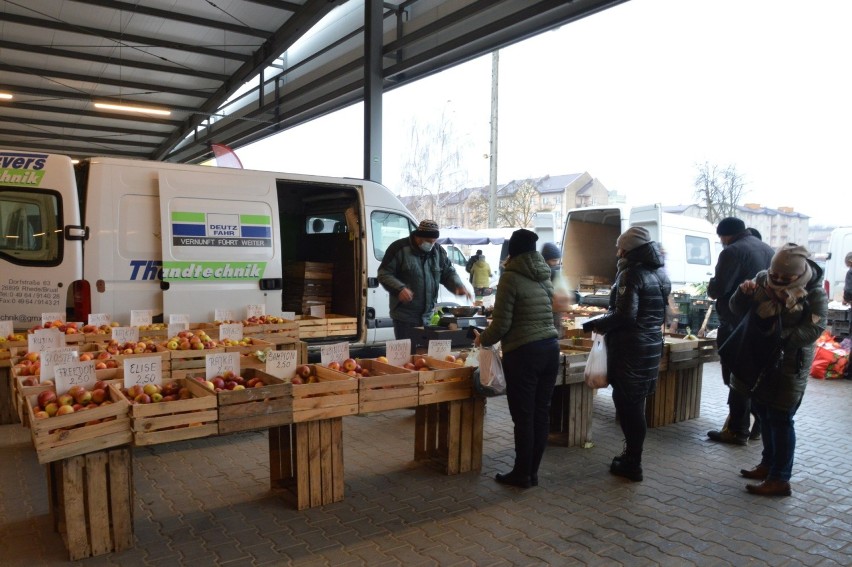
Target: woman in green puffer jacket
{"x": 522, "y": 323}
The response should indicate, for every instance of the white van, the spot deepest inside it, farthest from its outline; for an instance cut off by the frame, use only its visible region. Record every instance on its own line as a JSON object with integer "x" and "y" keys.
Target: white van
{"x": 114, "y": 235}
{"x": 689, "y": 244}
{"x": 839, "y": 245}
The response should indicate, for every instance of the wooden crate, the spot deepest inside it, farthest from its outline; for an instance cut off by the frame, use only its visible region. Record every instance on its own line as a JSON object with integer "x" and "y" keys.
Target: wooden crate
{"x": 64, "y": 436}
{"x": 256, "y": 344}
{"x": 335, "y": 395}
{"x": 571, "y": 410}
{"x": 165, "y": 422}
{"x": 286, "y": 342}
{"x": 450, "y": 434}
{"x": 312, "y": 327}
{"x": 190, "y": 359}
{"x": 444, "y": 381}
{"x": 91, "y": 502}
{"x": 306, "y": 462}
{"x": 388, "y": 387}
{"x": 678, "y": 395}
{"x": 162, "y": 352}
{"x": 255, "y": 408}
{"x": 341, "y": 325}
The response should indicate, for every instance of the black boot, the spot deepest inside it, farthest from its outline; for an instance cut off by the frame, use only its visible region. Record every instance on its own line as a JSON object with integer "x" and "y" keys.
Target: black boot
{"x": 627, "y": 466}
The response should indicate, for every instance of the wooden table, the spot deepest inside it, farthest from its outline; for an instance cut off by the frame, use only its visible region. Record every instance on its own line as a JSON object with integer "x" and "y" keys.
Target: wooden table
{"x": 678, "y": 395}
{"x": 450, "y": 433}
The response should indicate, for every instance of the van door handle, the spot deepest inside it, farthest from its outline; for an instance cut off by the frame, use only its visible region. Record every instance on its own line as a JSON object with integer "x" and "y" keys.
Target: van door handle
{"x": 372, "y": 282}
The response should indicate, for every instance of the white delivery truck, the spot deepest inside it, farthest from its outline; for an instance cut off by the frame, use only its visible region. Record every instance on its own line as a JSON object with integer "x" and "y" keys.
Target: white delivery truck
{"x": 839, "y": 245}
{"x": 690, "y": 245}
{"x": 114, "y": 235}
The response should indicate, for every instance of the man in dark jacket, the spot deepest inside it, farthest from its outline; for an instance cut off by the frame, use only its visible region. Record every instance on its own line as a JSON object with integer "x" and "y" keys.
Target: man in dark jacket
{"x": 411, "y": 271}
{"x": 741, "y": 259}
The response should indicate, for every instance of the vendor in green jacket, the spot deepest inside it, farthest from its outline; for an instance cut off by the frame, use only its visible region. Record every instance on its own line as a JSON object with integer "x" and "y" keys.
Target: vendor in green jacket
{"x": 411, "y": 270}
{"x": 522, "y": 323}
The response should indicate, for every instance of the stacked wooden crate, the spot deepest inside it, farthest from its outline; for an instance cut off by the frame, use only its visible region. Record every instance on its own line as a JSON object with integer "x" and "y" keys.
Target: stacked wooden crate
{"x": 307, "y": 284}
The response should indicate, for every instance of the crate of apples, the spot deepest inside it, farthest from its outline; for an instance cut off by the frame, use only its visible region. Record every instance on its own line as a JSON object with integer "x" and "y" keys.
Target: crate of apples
{"x": 320, "y": 392}
{"x": 253, "y": 400}
{"x": 442, "y": 380}
{"x": 383, "y": 386}
{"x": 179, "y": 409}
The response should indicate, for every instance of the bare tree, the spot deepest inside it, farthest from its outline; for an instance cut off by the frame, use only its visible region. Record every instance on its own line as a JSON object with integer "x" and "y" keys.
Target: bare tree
{"x": 477, "y": 208}
{"x": 719, "y": 190}
{"x": 432, "y": 169}
{"x": 519, "y": 205}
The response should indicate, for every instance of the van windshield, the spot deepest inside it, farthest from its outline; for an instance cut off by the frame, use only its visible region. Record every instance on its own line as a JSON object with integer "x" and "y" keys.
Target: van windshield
{"x": 30, "y": 227}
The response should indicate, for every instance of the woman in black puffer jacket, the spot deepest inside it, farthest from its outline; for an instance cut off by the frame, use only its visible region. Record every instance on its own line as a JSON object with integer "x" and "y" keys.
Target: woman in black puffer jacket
{"x": 634, "y": 339}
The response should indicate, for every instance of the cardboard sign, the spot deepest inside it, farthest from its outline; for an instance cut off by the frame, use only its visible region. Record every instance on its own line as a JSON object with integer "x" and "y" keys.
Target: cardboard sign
{"x": 439, "y": 349}
{"x": 179, "y": 318}
{"x": 221, "y": 362}
{"x": 338, "y": 352}
{"x": 139, "y": 317}
{"x": 53, "y": 357}
{"x": 75, "y": 374}
{"x": 51, "y": 317}
{"x": 6, "y": 328}
{"x": 175, "y": 328}
{"x": 99, "y": 319}
{"x": 45, "y": 339}
{"x": 282, "y": 363}
{"x": 125, "y": 334}
{"x": 258, "y": 310}
{"x": 143, "y": 370}
{"x": 318, "y": 311}
{"x": 233, "y": 331}
{"x": 398, "y": 352}
{"x": 289, "y": 315}
{"x": 223, "y": 315}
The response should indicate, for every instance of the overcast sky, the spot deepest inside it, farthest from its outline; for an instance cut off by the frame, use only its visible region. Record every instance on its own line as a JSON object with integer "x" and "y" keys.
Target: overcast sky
{"x": 637, "y": 96}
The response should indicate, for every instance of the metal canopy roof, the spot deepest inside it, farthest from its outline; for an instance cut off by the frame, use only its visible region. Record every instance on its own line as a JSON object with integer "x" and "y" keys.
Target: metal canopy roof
{"x": 205, "y": 62}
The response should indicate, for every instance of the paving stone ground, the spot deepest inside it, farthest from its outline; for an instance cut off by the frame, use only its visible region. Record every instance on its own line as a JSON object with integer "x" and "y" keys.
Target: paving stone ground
{"x": 207, "y": 502}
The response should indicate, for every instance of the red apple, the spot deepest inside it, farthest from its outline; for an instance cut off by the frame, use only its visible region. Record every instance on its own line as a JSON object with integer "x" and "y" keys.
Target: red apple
{"x": 349, "y": 364}
{"x": 46, "y": 397}
{"x": 98, "y": 395}
{"x": 65, "y": 400}
{"x": 65, "y": 409}
{"x": 334, "y": 365}
{"x": 304, "y": 371}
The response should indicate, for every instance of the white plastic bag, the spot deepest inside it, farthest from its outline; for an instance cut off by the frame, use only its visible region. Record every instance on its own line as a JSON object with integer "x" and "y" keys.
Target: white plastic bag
{"x": 489, "y": 379}
{"x": 595, "y": 373}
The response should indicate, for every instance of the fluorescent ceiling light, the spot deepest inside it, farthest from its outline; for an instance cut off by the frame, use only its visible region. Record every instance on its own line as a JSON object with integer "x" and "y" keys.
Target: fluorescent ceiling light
{"x": 125, "y": 108}
{"x": 5, "y": 96}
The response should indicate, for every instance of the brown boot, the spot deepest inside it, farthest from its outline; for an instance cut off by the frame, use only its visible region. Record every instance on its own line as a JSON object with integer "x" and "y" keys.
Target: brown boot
{"x": 760, "y": 472}
{"x": 770, "y": 487}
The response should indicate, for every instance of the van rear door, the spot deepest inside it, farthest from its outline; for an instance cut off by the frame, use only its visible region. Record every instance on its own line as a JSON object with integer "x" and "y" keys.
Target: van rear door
{"x": 40, "y": 236}
{"x": 221, "y": 242}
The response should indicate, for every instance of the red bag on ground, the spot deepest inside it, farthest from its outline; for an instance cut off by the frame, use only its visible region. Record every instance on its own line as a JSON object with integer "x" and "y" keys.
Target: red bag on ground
{"x": 830, "y": 360}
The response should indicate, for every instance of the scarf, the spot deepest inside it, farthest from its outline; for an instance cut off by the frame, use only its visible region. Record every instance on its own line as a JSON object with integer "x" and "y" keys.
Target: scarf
{"x": 788, "y": 296}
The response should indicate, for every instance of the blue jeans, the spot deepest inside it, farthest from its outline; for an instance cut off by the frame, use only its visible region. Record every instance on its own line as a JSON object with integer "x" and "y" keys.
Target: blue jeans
{"x": 779, "y": 439}
{"x": 530, "y": 378}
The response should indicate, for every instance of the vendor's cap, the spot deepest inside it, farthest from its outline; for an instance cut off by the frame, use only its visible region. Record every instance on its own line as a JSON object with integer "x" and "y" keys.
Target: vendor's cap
{"x": 550, "y": 251}
{"x": 633, "y": 237}
{"x": 427, "y": 229}
{"x": 730, "y": 226}
{"x": 522, "y": 240}
{"x": 789, "y": 260}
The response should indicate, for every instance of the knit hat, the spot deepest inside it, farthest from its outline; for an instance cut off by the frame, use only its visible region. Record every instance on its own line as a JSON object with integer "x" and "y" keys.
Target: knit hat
{"x": 479, "y": 252}
{"x": 550, "y": 251}
{"x": 730, "y": 226}
{"x": 427, "y": 229}
{"x": 633, "y": 237}
{"x": 790, "y": 260}
{"x": 522, "y": 240}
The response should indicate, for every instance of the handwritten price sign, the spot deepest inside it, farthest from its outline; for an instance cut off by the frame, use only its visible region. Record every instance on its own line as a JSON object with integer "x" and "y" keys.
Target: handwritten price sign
{"x": 337, "y": 352}
{"x": 6, "y": 328}
{"x": 125, "y": 334}
{"x": 318, "y": 311}
{"x": 51, "y": 317}
{"x": 258, "y": 310}
{"x": 44, "y": 339}
{"x": 139, "y": 317}
{"x": 233, "y": 331}
{"x": 179, "y": 318}
{"x": 75, "y": 374}
{"x": 223, "y": 315}
{"x": 175, "y": 328}
{"x": 398, "y": 352}
{"x": 53, "y": 357}
{"x": 142, "y": 371}
{"x": 219, "y": 363}
{"x": 282, "y": 363}
{"x": 439, "y": 349}
{"x": 99, "y": 319}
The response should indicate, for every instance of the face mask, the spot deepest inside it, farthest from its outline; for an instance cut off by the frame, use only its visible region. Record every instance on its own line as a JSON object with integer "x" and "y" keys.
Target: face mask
{"x": 426, "y": 246}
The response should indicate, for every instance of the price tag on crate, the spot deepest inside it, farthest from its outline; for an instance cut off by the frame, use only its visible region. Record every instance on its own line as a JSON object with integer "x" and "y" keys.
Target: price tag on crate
{"x": 223, "y": 315}
{"x": 221, "y": 362}
{"x": 318, "y": 311}
{"x": 233, "y": 331}
{"x": 143, "y": 370}
{"x": 289, "y": 315}
{"x": 338, "y": 352}
{"x": 179, "y": 318}
{"x": 75, "y": 374}
{"x": 51, "y": 317}
{"x": 6, "y": 328}
{"x": 257, "y": 310}
{"x": 45, "y": 339}
{"x": 439, "y": 349}
{"x": 139, "y": 317}
{"x": 175, "y": 328}
{"x": 282, "y": 363}
{"x": 398, "y": 352}
{"x": 53, "y": 357}
{"x": 99, "y": 319}
{"x": 125, "y": 334}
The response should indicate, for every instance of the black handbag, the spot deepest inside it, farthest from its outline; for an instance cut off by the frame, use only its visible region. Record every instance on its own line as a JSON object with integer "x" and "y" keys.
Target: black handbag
{"x": 751, "y": 351}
